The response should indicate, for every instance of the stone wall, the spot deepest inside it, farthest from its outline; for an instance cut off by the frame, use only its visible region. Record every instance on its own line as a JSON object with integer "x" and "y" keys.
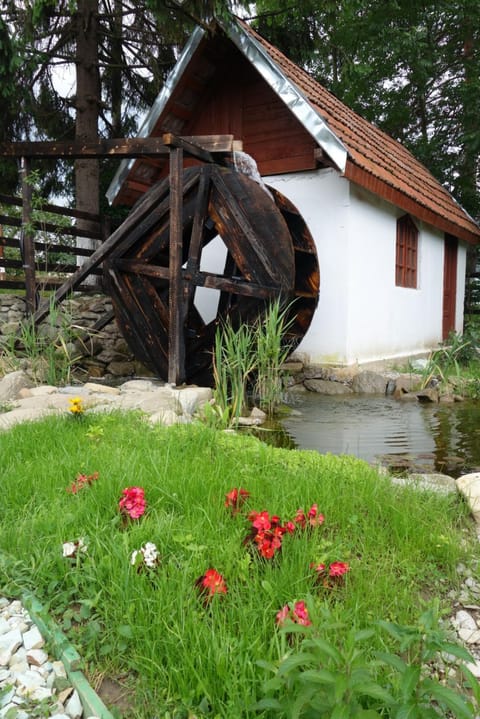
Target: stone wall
{"x": 102, "y": 354}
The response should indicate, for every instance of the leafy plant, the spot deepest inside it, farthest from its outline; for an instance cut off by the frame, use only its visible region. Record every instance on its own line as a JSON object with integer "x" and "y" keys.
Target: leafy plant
{"x": 447, "y": 361}
{"x": 338, "y": 680}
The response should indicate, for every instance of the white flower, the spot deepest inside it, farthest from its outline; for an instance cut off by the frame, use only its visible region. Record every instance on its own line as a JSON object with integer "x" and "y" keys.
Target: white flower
{"x": 149, "y": 554}
{"x": 71, "y": 549}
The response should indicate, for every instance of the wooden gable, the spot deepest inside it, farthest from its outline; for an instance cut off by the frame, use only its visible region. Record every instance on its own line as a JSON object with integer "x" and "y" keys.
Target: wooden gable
{"x": 221, "y": 93}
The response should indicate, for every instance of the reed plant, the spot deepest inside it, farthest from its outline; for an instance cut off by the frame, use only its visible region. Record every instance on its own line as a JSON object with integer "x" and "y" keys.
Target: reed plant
{"x": 233, "y": 365}
{"x": 181, "y": 649}
{"x": 47, "y": 352}
{"x": 247, "y": 362}
{"x": 272, "y": 350}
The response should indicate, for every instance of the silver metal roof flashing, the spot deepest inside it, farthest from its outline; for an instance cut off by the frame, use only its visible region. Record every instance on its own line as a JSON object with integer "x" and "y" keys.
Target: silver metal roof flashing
{"x": 289, "y": 93}
{"x": 151, "y": 116}
{"x": 286, "y": 90}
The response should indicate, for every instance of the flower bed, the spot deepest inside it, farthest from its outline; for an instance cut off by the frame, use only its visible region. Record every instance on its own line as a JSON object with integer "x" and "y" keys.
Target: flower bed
{"x": 185, "y": 559}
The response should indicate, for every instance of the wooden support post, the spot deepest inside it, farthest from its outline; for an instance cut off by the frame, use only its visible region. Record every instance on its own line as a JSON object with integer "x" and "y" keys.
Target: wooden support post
{"x": 26, "y": 241}
{"x": 176, "y": 339}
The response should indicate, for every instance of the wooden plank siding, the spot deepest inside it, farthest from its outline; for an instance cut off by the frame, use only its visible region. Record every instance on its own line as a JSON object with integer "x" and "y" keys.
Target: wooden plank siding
{"x": 222, "y": 93}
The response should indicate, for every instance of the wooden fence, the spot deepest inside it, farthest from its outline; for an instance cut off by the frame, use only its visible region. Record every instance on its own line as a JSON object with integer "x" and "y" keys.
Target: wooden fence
{"x": 39, "y": 246}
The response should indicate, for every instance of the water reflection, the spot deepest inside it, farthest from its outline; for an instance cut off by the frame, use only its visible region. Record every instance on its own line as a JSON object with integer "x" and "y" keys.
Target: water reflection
{"x": 400, "y": 435}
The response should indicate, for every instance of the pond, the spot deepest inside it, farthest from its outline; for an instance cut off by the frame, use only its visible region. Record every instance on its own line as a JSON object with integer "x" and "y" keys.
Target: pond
{"x": 381, "y": 430}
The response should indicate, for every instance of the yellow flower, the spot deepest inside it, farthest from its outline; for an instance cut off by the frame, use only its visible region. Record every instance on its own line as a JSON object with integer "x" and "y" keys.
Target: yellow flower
{"x": 76, "y": 405}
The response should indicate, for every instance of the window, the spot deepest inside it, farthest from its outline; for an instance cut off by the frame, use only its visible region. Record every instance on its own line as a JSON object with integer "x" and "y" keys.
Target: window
{"x": 407, "y": 253}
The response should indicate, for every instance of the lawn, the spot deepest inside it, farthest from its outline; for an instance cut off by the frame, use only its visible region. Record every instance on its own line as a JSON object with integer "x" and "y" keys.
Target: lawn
{"x": 186, "y": 641}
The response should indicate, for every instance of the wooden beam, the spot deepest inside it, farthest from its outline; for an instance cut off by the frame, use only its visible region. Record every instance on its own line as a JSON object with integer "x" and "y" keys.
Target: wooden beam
{"x": 132, "y": 147}
{"x": 187, "y": 147}
{"x": 176, "y": 340}
{"x": 200, "y": 147}
{"x": 198, "y": 279}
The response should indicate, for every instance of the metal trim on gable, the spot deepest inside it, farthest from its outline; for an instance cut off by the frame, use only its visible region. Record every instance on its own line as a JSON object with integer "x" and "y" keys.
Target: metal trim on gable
{"x": 152, "y": 115}
{"x": 289, "y": 93}
{"x": 286, "y": 90}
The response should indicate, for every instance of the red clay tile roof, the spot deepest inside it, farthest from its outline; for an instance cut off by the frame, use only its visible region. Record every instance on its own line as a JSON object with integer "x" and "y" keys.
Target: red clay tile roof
{"x": 375, "y": 160}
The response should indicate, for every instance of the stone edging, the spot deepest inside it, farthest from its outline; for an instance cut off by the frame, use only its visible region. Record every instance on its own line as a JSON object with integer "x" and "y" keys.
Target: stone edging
{"x": 66, "y": 653}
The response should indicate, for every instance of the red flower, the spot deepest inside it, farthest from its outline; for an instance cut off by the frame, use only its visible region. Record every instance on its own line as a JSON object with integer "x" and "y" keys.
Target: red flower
{"x": 315, "y": 519}
{"x": 338, "y": 569}
{"x": 290, "y": 527}
{"x": 319, "y": 568}
{"x": 282, "y": 615}
{"x": 261, "y": 521}
{"x": 81, "y": 481}
{"x": 298, "y": 615}
{"x": 300, "y": 518}
{"x": 211, "y": 583}
{"x": 235, "y": 498}
{"x": 133, "y": 502}
{"x": 267, "y": 533}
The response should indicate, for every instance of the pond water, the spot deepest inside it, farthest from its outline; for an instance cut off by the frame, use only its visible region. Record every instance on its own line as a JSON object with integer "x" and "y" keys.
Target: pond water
{"x": 400, "y": 435}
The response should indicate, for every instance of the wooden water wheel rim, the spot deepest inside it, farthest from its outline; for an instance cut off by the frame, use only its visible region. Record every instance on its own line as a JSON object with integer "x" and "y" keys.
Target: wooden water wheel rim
{"x": 262, "y": 254}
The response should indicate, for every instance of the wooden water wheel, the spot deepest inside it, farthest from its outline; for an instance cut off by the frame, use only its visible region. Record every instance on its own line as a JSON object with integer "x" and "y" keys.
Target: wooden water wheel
{"x": 238, "y": 246}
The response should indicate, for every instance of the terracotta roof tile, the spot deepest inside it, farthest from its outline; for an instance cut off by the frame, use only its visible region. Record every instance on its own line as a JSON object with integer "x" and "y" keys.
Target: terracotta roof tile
{"x": 376, "y": 160}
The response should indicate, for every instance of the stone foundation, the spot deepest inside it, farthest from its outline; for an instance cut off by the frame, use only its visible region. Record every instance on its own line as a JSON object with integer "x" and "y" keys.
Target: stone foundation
{"x": 105, "y": 354}
{"x": 101, "y": 354}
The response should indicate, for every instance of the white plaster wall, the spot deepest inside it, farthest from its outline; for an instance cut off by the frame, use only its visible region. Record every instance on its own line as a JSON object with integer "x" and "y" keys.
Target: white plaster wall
{"x": 322, "y": 198}
{"x": 386, "y": 320}
{"x": 362, "y": 316}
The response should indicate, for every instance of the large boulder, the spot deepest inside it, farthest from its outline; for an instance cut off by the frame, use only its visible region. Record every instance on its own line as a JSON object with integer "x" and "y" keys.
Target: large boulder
{"x": 325, "y": 386}
{"x": 12, "y": 384}
{"x": 368, "y": 382}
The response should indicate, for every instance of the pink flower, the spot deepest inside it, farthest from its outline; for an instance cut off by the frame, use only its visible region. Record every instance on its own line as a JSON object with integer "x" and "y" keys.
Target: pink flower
{"x": 300, "y": 518}
{"x": 298, "y": 615}
{"x": 133, "y": 502}
{"x": 313, "y": 518}
{"x": 289, "y": 527}
{"x": 319, "y": 568}
{"x": 282, "y": 615}
{"x": 338, "y": 569}
{"x": 211, "y": 583}
{"x": 261, "y": 521}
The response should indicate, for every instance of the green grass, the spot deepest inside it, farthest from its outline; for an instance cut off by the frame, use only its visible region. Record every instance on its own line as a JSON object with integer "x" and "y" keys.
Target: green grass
{"x": 402, "y": 546}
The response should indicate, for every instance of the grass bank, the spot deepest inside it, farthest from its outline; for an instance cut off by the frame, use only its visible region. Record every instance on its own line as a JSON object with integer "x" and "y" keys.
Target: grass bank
{"x": 182, "y": 646}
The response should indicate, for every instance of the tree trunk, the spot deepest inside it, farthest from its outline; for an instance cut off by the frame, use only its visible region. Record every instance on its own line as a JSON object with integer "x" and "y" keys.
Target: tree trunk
{"x": 88, "y": 98}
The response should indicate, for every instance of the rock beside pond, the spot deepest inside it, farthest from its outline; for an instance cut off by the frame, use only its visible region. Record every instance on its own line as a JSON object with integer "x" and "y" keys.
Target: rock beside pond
{"x": 469, "y": 487}
{"x": 327, "y": 387}
{"x": 430, "y": 481}
{"x": 160, "y": 402}
{"x": 368, "y": 382}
